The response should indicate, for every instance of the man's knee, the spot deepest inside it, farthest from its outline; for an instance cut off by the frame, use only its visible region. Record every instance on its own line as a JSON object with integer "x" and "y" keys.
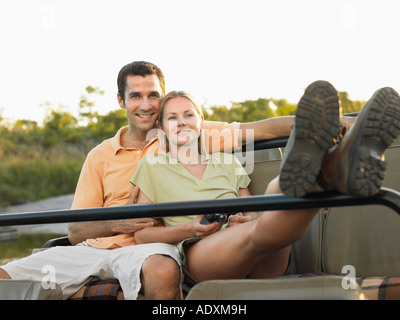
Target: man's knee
{"x": 4, "y": 274}
{"x": 161, "y": 278}
{"x": 162, "y": 269}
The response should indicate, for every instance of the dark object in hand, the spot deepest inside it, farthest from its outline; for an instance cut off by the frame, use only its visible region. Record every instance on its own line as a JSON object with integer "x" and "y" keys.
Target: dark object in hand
{"x": 218, "y": 217}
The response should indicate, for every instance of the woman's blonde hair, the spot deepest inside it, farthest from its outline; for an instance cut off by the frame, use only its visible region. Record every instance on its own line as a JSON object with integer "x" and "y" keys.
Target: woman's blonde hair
{"x": 172, "y": 95}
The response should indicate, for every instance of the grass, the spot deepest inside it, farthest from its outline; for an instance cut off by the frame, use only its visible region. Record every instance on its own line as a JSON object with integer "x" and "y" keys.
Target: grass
{"x": 10, "y": 250}
{"x": 37, "y": 178}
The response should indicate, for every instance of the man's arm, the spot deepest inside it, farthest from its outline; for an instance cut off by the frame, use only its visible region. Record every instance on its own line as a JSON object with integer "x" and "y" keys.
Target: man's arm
{"x": 269, "y": 128}
{"x": 81, "y": 231}
{"x": 278, "y": 127}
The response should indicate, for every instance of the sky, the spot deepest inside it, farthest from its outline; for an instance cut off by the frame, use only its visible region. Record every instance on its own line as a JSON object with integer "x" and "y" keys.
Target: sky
{"x": 218, "y": 50}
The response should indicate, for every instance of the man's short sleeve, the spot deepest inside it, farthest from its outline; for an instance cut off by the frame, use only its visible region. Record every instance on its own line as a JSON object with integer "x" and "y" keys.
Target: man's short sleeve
{"x": 89, "y": 190}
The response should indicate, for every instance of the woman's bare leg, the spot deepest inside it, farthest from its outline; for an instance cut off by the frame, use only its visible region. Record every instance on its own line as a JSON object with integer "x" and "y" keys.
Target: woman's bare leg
{"x": 257, "y": 248}
{"x": 274, "y": 265}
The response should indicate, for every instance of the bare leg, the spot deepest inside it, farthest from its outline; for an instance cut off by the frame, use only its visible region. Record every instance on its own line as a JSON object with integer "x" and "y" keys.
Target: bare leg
{"x": 256, "y": 248}
{"x": 274, "y": 265}
{"x": 4, "y": 274}
{"x": 160, "y": 278}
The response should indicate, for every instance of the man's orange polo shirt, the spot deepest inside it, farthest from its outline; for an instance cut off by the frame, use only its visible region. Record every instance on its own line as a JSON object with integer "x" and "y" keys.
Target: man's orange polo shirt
{"x": 105, "y": 175}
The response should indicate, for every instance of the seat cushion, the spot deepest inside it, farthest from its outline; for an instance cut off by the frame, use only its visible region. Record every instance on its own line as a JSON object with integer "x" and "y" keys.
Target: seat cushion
{"x": 282, "y": 288}
{"x": 373, "y": 288}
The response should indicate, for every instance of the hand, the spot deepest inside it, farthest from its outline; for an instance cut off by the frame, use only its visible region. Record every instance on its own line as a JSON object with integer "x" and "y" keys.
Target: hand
{"x": 235, "y": 220}
{"x": 203, "y": 230}
{"x": 132, "y": 225}
{"x": 134, "y": 195}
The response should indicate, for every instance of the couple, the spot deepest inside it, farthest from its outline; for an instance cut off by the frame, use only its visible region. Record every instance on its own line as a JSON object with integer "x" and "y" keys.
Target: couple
{"x": 104, "y": 181}
{"x": 262, "y": 242}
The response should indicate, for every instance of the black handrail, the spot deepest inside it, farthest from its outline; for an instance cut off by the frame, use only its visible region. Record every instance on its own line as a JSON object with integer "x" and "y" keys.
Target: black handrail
{"x": 265, "y": 144}
{"x": 386, "y": 197}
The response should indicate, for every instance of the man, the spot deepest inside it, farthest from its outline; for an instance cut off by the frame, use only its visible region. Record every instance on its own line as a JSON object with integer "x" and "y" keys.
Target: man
{"x": 104, "y": 181}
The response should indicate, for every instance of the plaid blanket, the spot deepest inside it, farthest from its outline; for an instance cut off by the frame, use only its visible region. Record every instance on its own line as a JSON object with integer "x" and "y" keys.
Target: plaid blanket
{"x": 380, "y": 288}
{"x": 100, "y": 290}
{"x": 374, "y": 288}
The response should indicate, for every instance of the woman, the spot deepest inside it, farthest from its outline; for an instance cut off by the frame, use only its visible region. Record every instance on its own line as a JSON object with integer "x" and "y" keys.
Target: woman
{"x": 253, "y": 245}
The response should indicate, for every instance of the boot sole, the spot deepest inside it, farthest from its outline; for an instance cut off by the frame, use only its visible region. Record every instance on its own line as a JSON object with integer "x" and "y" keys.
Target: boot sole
{"x": 316, "y": 125}
{"x": 379, "y": 127}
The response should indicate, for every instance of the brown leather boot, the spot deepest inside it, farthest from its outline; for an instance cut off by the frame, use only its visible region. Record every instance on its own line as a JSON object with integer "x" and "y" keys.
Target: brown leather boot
{"x": 316, "y": 125}
{"x": 356, "y": 165}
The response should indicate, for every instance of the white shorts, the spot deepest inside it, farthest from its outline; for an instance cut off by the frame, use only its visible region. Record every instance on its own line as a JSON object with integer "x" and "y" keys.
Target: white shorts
{"x": 77, "y": 265}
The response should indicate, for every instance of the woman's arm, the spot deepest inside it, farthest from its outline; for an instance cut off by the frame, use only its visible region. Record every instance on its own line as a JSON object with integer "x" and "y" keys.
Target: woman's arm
{"x": 163, "y": 234}
{"x": 173, "y": 234}
{"x": 246, "y": 216}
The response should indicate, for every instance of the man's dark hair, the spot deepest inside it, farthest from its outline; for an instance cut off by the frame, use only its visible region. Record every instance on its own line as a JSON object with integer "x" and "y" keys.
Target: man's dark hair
{"x": 139, "y": 68}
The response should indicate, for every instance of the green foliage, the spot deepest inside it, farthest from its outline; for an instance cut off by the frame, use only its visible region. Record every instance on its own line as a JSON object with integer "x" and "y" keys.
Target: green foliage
{"x": 254, "y": 110}
{"x": 37, "y": 178}
{"x": 251, "y": 110}
{"x": 86, "y": 105}
{"x": 59, "y": 126}
{"x": 246, "y": 111}
{"x": 109, "y": 124}
{"x": 23, "y": 246}
{"x": 284, "y": 108}
{"x": 349, "y": 106}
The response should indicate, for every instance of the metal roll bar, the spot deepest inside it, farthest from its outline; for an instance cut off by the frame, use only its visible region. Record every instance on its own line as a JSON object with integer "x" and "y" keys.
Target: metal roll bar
{"x": 386, "y": 197}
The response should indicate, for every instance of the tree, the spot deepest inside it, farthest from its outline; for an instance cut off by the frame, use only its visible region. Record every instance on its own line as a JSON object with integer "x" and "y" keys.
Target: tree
{"x": 349, "y": 106}
{"x": 251, "y": 110}
{"x": 284, "y": 108}
{"x": 246, "y": 111}
{"x": 59, "y": 126}
{"x": 109, "y": 124}
{"x": 86, "y": 112}
{"x": 217, "y": 113}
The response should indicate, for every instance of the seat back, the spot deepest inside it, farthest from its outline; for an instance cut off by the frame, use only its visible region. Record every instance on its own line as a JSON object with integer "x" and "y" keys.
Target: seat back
{"x": 365, "y": 237}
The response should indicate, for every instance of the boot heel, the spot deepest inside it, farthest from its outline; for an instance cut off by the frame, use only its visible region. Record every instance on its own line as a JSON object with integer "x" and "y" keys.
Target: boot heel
{"x": 357, "y": 165}
{"x": 316, "y": 125}
{"x": 369, "y": 177}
